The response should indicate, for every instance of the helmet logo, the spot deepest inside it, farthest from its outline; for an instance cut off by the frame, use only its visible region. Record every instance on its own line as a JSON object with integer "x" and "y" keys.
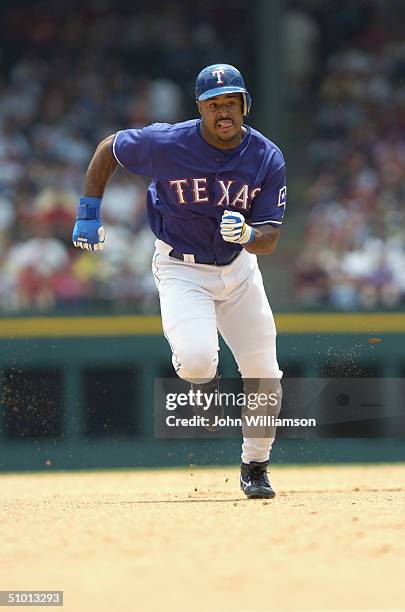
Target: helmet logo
{"x": 218, "y": 73}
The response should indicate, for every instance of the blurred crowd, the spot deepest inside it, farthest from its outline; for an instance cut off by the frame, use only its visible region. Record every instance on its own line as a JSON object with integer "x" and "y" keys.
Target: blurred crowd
{"x": 354, "y": 245}
{"x": 72, "y": 73}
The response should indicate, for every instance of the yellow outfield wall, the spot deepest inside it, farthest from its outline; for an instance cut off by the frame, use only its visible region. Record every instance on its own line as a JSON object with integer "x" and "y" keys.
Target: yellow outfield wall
{"x": 291, "y": 323}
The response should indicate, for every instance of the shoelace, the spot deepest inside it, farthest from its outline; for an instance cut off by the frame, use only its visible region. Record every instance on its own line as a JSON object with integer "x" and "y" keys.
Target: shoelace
{"x": 260, "y": 476}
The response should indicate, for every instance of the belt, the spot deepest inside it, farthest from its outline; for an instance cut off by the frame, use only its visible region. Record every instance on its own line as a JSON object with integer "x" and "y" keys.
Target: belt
{"x": 201, "y": 260}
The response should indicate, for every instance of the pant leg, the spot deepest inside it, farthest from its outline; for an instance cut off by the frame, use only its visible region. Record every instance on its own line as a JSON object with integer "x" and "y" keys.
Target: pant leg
{"x": 246, "y": 323}
{"x": 188, "y": 318}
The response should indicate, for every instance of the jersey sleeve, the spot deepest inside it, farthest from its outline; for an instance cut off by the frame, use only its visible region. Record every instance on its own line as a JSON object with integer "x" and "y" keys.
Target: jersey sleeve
{"x": 268, "y": 206}
{"x": 133, "y": 150}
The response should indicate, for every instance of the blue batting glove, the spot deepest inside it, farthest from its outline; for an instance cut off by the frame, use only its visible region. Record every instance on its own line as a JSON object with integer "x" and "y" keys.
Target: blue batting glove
{"x": 88, "y": 232}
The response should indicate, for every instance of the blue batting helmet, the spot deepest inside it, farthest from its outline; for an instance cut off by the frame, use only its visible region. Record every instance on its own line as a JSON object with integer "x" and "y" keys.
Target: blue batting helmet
{"x": 221, "y": 79}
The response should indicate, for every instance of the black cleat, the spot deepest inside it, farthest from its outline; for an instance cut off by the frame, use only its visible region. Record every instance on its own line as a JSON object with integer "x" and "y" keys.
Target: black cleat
{"x": 212, "y": 410}
{"x": 254, "y": 481}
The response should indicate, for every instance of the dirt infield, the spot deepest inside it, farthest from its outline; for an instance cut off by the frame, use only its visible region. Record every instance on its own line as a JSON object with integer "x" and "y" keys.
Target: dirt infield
{"x": 333, "y": 539}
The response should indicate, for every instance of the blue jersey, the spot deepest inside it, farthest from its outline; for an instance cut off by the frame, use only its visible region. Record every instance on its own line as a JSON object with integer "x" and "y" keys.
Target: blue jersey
{"x": 194, "y": 182}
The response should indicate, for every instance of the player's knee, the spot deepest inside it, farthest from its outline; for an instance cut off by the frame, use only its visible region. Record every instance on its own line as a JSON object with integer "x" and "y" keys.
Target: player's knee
{"x": 198, "y": 365}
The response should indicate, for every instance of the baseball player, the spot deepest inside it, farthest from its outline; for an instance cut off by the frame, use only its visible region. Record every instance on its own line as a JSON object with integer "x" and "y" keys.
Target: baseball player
{"x": 217, "y": 198}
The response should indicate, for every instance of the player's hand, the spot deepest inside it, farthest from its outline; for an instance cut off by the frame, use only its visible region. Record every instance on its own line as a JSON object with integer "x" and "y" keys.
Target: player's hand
{"x": 88, "y": 232}
{"x": 234, "y": 229}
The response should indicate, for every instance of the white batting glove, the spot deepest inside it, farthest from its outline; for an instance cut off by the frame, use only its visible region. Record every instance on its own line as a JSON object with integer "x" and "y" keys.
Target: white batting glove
{"x": 234, "y": 229}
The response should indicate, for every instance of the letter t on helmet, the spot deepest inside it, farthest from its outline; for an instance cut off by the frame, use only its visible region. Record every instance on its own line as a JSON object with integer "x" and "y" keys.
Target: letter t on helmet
{"x": 220, "y": 79}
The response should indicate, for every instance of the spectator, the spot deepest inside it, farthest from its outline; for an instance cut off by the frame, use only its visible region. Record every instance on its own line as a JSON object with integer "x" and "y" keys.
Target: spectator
{"x": 354, "y": 251}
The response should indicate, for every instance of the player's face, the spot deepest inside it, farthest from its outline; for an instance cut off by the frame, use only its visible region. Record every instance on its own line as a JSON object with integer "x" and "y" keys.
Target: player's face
{"x": 222, "y": 119}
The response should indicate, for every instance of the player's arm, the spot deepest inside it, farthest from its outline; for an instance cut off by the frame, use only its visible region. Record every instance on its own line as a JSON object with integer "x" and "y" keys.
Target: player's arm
{"x": 131, "y": 149}
{"x": 266, "y": 215}
{"x": 88, "y": 232}
{"x": 261, "y": 241}
{"x": 101, "y": 168}
{"x": 264, "y": 240}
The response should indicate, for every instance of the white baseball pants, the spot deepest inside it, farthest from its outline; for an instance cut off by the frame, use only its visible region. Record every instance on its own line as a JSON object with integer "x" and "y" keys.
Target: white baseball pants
{"x": 196, "y": 300}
